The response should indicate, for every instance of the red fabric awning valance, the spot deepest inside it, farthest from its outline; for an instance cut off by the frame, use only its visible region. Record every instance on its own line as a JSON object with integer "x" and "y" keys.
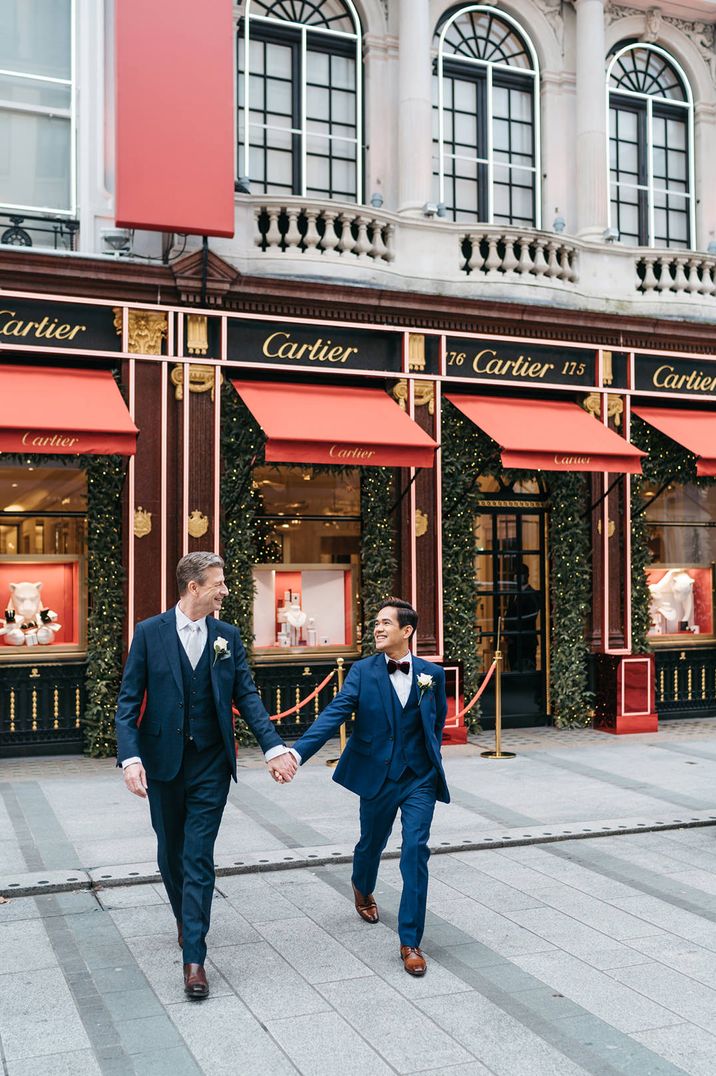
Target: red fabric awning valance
{"x": 549, "y": 435}
{"x": 693, "y": 430}
{"x": 63, "y": 412}
{"x": 354, "y": 427}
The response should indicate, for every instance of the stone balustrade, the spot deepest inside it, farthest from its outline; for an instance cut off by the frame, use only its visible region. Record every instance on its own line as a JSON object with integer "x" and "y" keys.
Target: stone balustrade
{"x": 663, "y": 273}
{"x": 316, "y": 230}
{"x": 519, "y": 253}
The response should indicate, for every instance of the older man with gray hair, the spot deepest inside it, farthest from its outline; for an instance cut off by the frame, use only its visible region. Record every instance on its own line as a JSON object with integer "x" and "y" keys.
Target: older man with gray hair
{"x": 175, "y": 741}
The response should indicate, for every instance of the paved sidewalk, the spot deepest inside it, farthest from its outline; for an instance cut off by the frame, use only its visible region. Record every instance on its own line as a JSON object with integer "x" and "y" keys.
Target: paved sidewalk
{"x": 548, "y": 954}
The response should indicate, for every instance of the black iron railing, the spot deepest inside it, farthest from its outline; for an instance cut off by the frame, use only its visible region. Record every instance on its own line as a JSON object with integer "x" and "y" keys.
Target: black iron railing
{"x": 29, "y": 230}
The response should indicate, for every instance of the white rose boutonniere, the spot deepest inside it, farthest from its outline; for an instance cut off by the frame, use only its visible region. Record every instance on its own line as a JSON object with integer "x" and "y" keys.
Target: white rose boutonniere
{"x": 425, "y": 683}
{"x": 221, "y": 649}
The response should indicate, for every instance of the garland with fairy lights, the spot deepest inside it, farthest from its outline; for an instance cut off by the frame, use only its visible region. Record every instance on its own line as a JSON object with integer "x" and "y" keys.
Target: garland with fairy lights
{"x": 246, "y": 540}
{"x": 466, "y": 454}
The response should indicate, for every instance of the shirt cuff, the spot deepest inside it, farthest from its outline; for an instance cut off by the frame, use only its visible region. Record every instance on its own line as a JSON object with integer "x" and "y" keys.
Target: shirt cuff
{"x": 130, "y": 762}
{"x": 274, "y": 752}
{"x": 296, "y": 755}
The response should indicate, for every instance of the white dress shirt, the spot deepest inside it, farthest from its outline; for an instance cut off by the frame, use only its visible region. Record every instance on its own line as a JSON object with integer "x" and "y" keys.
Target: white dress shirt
{"x": 185, "y": 629}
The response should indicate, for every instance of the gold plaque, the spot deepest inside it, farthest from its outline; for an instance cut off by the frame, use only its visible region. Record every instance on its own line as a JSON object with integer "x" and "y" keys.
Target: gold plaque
{"x": 421, "y": 523}
{"x": 142, "y": 522}
{"x": 198, "y": 524}
{"x": 611, "y": 527}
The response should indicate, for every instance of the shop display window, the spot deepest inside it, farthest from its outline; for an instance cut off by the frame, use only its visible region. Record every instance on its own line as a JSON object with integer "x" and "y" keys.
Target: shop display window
{"x": 42, "y": 607}
{"x": 681, "y": 601}
{"x": 43, "y": 510}
{"x": 304, "y": 607}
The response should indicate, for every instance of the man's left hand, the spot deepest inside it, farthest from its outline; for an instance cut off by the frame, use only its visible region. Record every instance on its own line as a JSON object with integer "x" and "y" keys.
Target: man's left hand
{"x": 283, "y": 768}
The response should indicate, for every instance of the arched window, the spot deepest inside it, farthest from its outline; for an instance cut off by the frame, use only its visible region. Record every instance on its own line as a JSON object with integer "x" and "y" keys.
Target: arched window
{"x": 300, "y": 98}
{"x": 486, "y": 118}
{"x": 650, "y": 154}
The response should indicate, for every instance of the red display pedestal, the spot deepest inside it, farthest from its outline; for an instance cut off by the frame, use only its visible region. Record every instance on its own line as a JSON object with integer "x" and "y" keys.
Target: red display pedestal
{"x": 625, "y": 700}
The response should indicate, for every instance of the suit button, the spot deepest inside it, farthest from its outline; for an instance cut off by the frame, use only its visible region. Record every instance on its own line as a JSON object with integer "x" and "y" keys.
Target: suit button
{"x": 179, "y": 731}
{"x": 390, "y": 739}
{"x": 387, "y": 762}
{"x": 181, "y": 705}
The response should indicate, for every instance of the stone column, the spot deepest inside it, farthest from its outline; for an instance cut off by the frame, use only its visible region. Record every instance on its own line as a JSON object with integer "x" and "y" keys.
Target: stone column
{"x": 591, "y": 143}
{"x": 414, "y": 107}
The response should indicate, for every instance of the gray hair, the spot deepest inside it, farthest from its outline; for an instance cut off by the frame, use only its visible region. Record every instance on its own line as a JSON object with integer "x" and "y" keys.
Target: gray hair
{"x": 193, "y": 567}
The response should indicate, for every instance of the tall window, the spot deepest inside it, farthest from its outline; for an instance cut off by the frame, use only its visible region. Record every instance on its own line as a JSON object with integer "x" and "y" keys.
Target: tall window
{"x": 300, "y": 98}
{"x": 36, "y": 124}
{"x": 650, "y": 139}
{"x": 486, "y": 133}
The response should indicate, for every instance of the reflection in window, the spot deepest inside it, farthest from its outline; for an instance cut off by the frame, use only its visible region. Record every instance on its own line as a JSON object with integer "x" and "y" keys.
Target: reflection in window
{"x": 680, "y": 522}
{"x": 650, "y": 122}
{"x": 486, "y": 132}
{"x": 42, "y": 510}
{"x": 300, "y": 98}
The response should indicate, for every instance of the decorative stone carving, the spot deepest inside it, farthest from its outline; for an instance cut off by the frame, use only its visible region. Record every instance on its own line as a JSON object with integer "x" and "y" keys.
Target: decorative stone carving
{"x": 201, "y": 379}
{"x": 702, "y": 34}
{"x": 552, "y": 11}
{"x": 424, "y": 394}
{"x": 416, "y": 351}
{"x": 146, "y": 329}
{"x": 142, "y": 522}
{"x": 615, "y": 406}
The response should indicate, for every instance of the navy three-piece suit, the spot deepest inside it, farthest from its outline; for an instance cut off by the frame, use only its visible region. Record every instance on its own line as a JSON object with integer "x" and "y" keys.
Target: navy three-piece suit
{"x": 392, "y": 761}
{"x": 185, "y": 739}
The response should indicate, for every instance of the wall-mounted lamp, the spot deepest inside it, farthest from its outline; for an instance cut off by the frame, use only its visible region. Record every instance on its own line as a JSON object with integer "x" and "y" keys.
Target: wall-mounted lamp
{"x": 711, "y": 248}
{"x": 117, "y": 239}
{"x": 441, "y": 210}
{"x": 430, "y": 209}
{"x": 376, "y": 199}
{"x": 243, "y": 185}
{"x": 559, "y": 224}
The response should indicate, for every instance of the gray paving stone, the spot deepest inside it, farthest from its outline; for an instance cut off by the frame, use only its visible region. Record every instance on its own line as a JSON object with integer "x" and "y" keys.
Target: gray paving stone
{"x": 255, "y": 899}
{"x": 174, "y": 1062}
{"x": 222, "y": 1035}
{"x": 684, "y": 997}
{"x": 80, "y": 1062}
{"x": 270, "y": 987}
{"x": 495, "y": 1038}
{"x": 160, "y": 961}
{"x": 311, "y": 951}
{"x": 574, "y": 936}
{"x": 319, "y": 1045}
{"x": 692, "y": 1049}
{"x": 479, "y": 885}
{"x": 333, "y": 911}
{"x": 673, "y": 920}
{"x": 393, "y": 1026}
{"x": 684, "y": 956}
{"x": 130, "y": 896}
{"x": 38, "y": 1016}
{"x": 494, "y": 930}
{"x": 131, "y": 1004}
{"x": 472, "y": 1068}
{"x": 147, "y": 1034}
{"x": 597, "y": 914}
{"x": 18, "y": 909}
{"x": 606, "y": 1050}
{"x": 24, "y": 945}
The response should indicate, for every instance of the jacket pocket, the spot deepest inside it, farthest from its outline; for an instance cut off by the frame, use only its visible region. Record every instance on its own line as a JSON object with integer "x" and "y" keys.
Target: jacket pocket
{"x": 361, "y": 745}
{"x": 150, "y": 728}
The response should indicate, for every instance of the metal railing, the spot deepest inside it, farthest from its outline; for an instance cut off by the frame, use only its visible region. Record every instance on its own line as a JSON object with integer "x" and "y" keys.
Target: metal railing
{"x": 30, "y": 230}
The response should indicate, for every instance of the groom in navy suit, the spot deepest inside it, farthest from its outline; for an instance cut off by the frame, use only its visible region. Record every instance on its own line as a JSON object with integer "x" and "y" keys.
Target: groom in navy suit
{"x": 175, "y": 741}
{"x": 392, "y": 761}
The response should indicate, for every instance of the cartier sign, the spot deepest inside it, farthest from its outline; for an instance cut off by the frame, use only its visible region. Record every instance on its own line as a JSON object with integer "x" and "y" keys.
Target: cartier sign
{"x": 687, "y": 377}
{"x": 519, "y": 363}
{"x": 313, "y": 346}
{"x": 57, "y": 325}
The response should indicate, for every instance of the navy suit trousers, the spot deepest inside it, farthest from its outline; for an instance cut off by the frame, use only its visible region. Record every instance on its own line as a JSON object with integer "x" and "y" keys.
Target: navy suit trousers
{"x": 186, "y": 814}
{"x": 415, "y": 798}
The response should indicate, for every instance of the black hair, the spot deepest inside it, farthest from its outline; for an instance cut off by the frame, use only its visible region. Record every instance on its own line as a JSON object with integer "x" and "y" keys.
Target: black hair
{"x": 407, "y": 616}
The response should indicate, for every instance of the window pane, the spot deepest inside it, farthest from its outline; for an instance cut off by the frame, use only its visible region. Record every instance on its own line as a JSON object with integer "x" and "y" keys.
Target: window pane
{"x": 34, "y": 161}
{"x": 28, "y": 91}
{"x": 35, "y": 37}
{"x": 278, "y": 60}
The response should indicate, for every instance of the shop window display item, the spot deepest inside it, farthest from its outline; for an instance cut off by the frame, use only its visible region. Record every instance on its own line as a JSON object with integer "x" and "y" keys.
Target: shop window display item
{"x": 28, "y": 622}
{"x": 680, "y": 600}
{"x": 43, "y": 607}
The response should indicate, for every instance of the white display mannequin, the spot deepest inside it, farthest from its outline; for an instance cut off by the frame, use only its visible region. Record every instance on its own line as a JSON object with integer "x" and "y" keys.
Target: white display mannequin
{"x": 672, "y": 599}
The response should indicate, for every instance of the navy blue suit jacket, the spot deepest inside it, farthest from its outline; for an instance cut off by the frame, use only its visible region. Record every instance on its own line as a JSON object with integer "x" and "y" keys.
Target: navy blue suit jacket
{"x": 363, "y": 766}
{"x": 153, "y": 670}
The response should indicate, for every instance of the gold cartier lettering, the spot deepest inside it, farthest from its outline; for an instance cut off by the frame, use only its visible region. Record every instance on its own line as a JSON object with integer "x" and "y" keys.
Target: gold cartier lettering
{"x": 343, "y": 453}
{"x": 45, "y": 329}
{"x": 49, "y": 440}
{"x": 572, "y": 461}
{"x": 279, "y": 345}
{"x": 666, "y": 377}
{"x": 487, "y": 362}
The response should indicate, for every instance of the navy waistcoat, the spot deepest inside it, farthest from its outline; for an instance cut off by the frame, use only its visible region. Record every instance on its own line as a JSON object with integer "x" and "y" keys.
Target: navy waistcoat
{"x": 409, "y": 750}
{"x": 201, "y": 723}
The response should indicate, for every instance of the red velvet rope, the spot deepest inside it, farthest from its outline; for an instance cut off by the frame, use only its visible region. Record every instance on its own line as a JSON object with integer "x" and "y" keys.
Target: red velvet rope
{"x": 476, "y": 696}
{"x": 304, "y": 702}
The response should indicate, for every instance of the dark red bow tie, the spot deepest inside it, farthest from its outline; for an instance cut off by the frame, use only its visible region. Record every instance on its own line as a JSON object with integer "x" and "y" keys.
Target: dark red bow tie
{"x": 393, "y": 666}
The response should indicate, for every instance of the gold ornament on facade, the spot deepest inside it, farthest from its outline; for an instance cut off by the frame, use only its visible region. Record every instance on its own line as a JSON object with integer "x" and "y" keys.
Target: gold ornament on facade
{"x": 197, "y": 334}
{"x": 146, "y": 329}
{"x": 201, "y": 379}
{"x": 416, "y": 351}
{"x": 611, "y": 527}
{"x": 607, "y": 371}
{"x": 197, "y": 524}
{"x": 615, "y": 406}
{"x": 421, "y": 523}
{"x": 424, "y": 394}
{"x": 142, "y": 522}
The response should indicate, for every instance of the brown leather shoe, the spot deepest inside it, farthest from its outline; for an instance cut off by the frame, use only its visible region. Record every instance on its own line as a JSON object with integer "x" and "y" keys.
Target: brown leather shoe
{"x": 195, "y": 984}
{"x": 365, "y": 906}
{"x": 413, "y": 960}
{"x": 180, "y": 935}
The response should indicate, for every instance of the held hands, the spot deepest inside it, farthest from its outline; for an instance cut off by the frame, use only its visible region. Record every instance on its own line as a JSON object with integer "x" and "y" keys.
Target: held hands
{"x": 283, "y": 768}
{"x": 135, "y": 778}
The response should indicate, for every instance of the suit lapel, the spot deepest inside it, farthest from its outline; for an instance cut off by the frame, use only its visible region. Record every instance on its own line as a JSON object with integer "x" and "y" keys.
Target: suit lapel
{"x": 385, "y": 688}
{"x": 170, "y": 639}
{"x": 424, "y": 702}
{"x": 212, "y": 630}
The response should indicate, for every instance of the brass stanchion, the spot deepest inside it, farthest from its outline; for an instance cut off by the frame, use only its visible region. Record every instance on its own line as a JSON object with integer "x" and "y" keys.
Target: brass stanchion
{"x": 342, "y": 733}
{"x": 498, "y": 752}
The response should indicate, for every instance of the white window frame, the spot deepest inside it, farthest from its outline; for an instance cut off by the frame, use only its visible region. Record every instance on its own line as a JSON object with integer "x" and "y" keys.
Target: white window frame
{"x": 304, "y": 29}
{"x": 649, "y": 187}
{"x": 535, "y": 169}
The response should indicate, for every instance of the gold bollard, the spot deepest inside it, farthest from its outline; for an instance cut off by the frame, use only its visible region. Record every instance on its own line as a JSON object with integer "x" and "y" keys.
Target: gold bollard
{"x": 342, "y": 733}
{"x": 498, "y": 752}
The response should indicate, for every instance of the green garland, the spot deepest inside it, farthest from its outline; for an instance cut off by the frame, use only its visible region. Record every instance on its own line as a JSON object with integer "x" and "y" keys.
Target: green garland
{"x": 379, "y": 560}
{"x": 570, "y": 599}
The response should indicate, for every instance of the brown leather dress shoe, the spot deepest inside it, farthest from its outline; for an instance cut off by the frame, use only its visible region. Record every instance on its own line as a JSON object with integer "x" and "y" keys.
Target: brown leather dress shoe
{"x": 365, "y": 906}
{"x": 195, "y": 984}
{"x": 180, "y": 935}
{"x": 413, "y": 960}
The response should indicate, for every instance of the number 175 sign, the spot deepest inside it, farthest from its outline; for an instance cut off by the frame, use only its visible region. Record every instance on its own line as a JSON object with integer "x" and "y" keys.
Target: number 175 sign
{"x": 519, "y": 362}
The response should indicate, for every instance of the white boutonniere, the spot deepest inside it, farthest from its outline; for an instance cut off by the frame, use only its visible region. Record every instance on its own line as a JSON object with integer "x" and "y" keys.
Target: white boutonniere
{"x": 221, "y": 649}
{"x": 425, "y": 683}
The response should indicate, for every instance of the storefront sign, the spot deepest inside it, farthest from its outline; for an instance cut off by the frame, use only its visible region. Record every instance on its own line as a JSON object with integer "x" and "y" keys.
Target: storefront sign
{"x": 661, "y": 373}
{"x": 519, "y": 363}
{"x": 313, "y": 347}
{"x": 57, "y": 325}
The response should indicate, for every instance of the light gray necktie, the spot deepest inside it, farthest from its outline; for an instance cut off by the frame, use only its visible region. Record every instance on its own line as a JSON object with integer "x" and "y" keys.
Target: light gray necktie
{"x": 193, "y": 644}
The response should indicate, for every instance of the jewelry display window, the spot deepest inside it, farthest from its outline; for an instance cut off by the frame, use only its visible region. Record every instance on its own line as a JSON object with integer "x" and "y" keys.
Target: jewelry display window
{"x": 304, "y": 609}
{"x": 681, "y": 603}
{"x": 43, "y": 608}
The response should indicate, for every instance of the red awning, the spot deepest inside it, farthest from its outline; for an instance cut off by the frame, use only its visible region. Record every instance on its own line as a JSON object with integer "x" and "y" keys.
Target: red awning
{"x": 358, "y": 427}
{"x": 63, "y": 412}
{"x": 549, "y": 435}
{"x": 693, "y": 430}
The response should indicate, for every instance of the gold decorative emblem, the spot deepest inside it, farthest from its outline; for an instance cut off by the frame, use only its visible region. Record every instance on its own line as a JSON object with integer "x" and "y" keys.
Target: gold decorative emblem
{"x": 424, "y": 394}
{"x": 416, "y": 351}
{"x": 197, "y": 334}
{"x": 142, "y": 522}
{"x": 201, "y": 379}
{"x": 421, "y": 523}
{"x": 615, "y": 406}
{"x": 145, "y": 330}
{"x": 611, "y": 527}
{"x": 607, "y": 371}
{"x": 197, "y": 524}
